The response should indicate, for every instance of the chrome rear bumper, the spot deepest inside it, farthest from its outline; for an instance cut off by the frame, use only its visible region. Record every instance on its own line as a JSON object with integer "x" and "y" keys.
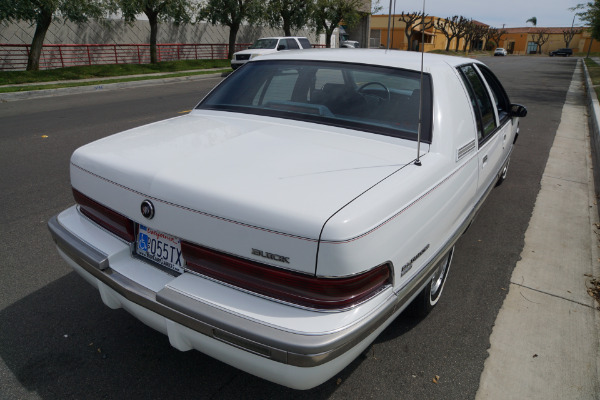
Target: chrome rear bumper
{"x": 293, "y": 348}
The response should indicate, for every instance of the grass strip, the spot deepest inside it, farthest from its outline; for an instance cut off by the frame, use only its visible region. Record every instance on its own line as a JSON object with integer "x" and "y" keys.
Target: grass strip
{"x": 594, "y": 72}
{"x": 106, "y": 71}
{"x": 104, "y": 82}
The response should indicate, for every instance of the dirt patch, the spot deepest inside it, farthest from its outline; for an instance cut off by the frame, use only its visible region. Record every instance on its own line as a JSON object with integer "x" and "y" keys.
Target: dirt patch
{"x": 593, "y": 289}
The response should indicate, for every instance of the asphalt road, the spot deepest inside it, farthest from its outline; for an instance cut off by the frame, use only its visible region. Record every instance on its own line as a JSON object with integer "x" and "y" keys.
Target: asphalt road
{"x": 58, "y": 340}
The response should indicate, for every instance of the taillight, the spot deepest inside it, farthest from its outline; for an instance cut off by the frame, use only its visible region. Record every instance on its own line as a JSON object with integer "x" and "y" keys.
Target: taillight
{"x": 291, "y": 287}
{"x": 105, "y": 217}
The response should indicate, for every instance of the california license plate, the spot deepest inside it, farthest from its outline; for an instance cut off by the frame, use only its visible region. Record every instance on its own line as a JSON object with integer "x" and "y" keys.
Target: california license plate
{"x": 159, "y": 247}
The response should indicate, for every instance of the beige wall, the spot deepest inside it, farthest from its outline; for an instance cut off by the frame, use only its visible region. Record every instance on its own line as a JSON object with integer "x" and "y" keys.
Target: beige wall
{"x": 118, "y": 32}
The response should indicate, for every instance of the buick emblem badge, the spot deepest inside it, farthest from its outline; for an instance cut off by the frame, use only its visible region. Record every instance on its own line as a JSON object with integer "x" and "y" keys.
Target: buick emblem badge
{"x": 147, "y": 209}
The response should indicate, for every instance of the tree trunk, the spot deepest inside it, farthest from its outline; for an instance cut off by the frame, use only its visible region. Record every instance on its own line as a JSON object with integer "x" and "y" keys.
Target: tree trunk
{"x": 153, "y": 19}
{"x": 286, "y": 27}
{"x": 328, "y": 32}
{"x": 233, "y": 31}
{"x": 43, "y": 23}
{"x": 408, "y": 39}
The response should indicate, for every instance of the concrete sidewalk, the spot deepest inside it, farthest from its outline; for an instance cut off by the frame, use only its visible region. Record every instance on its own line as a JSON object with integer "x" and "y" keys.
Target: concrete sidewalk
{"x": 545, "y": 344}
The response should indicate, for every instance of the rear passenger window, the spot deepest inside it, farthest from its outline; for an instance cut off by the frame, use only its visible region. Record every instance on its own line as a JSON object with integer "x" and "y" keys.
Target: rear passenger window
{"x": 305, "y": 43}
{"x": 291, "y": 44}
{"x": 500, "y": 97}
{"x": 328, "y": 75}
{"x": 481, "y": 102}
{"x": 279, "y": 88}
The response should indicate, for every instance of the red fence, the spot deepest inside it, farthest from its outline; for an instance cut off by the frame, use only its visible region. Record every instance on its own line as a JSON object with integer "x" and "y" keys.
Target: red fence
{"x": 14, "y": 56}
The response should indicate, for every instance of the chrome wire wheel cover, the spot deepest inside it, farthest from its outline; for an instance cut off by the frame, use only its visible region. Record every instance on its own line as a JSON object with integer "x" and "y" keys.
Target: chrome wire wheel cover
{"x": 504, "y": 171}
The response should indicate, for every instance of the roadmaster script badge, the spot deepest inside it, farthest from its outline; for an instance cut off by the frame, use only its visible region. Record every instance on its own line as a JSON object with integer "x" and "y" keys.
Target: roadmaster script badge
{"x": 406, "y": 267}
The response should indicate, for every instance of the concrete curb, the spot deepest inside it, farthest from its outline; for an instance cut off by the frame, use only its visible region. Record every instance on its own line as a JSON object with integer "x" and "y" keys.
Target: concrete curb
{"x": 33, "y": 94}
{"x": 594, "y": 113}
{"x": 594, "y": 135}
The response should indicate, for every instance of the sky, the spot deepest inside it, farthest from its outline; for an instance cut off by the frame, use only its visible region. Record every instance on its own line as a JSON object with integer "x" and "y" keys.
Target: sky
{"x": 496, "y": 13}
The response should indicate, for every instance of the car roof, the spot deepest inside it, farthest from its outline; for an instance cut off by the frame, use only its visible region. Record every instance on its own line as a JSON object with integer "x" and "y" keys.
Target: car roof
{"x": 382, "y": 57}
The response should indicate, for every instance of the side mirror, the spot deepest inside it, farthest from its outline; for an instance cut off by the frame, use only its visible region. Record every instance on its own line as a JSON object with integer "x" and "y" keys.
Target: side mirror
{"x": 517, "y": 110}
{"x": 280, "y": 47}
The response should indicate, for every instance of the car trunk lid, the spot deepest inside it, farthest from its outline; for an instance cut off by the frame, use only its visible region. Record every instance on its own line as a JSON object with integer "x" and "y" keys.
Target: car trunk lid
{"x": 250, "y": 177}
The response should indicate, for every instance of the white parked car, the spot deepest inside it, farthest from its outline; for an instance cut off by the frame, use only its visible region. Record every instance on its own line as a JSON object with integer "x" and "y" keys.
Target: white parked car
{"x": 349, "y": 44}
{"x": 267, "y": 46}
{"x": 500, "y": 52}
{"x": 297, "y": 210}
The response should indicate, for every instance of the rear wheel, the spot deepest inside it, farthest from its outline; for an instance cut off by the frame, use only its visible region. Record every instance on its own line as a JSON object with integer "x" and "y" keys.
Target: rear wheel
{"x": 502, "y": 174}
{"x": 429, "y": 297}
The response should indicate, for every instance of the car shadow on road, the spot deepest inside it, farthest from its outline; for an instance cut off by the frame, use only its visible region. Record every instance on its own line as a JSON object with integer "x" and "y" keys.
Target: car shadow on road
{"x": 62, "y": 342}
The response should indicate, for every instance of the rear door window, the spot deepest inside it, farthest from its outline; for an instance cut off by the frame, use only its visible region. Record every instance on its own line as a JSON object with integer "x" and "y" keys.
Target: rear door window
{"x": 501, "y": 100}
{"x": 280, "y": 87}
{"x": 481, "y": 102}
{"x": 305, "y": 43}
{"x": 289, "y": 44}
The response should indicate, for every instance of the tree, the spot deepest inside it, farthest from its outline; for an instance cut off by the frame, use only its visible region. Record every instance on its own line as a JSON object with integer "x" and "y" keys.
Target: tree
{"x": 462, "y": 28}
{"x": 473, "y": 32}
{"x": 178, "y": 11}
{"x": 287, "y": 14}
{"x": 231, "y": 13}
{"x": 495, "y": 35}
{"x": 568, "y": 35}
{"x": 42, "y": 12}
{"x": 376, "y": 6}
{"x": 590, "y": 14}
{"x": 327, "y": 15}
{"x": 540, "y": 37}
{"x": 448, "y": 28}
{"x": 412, "y": 21}
{"x": 533, "y": 21}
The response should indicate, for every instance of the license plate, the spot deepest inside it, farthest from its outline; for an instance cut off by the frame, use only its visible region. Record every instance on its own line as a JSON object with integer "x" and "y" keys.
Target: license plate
{"x": 160, "y": 247}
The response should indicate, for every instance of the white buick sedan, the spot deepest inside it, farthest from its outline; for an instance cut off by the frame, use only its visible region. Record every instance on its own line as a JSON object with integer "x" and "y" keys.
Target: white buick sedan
{"x": 306, "y": 201}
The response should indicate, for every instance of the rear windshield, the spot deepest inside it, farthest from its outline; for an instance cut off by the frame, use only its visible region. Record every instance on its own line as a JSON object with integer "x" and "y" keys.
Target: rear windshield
{"x": 374, "y": 99}
{"x": 264, "y": 44}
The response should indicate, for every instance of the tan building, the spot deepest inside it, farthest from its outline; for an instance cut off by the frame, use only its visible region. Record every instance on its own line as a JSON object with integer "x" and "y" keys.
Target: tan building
{"x": 516, "y": 40}
{"x": 523, "y": 40}
{"x": 397, "y": 34}
{"x": 434, "y": 38}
